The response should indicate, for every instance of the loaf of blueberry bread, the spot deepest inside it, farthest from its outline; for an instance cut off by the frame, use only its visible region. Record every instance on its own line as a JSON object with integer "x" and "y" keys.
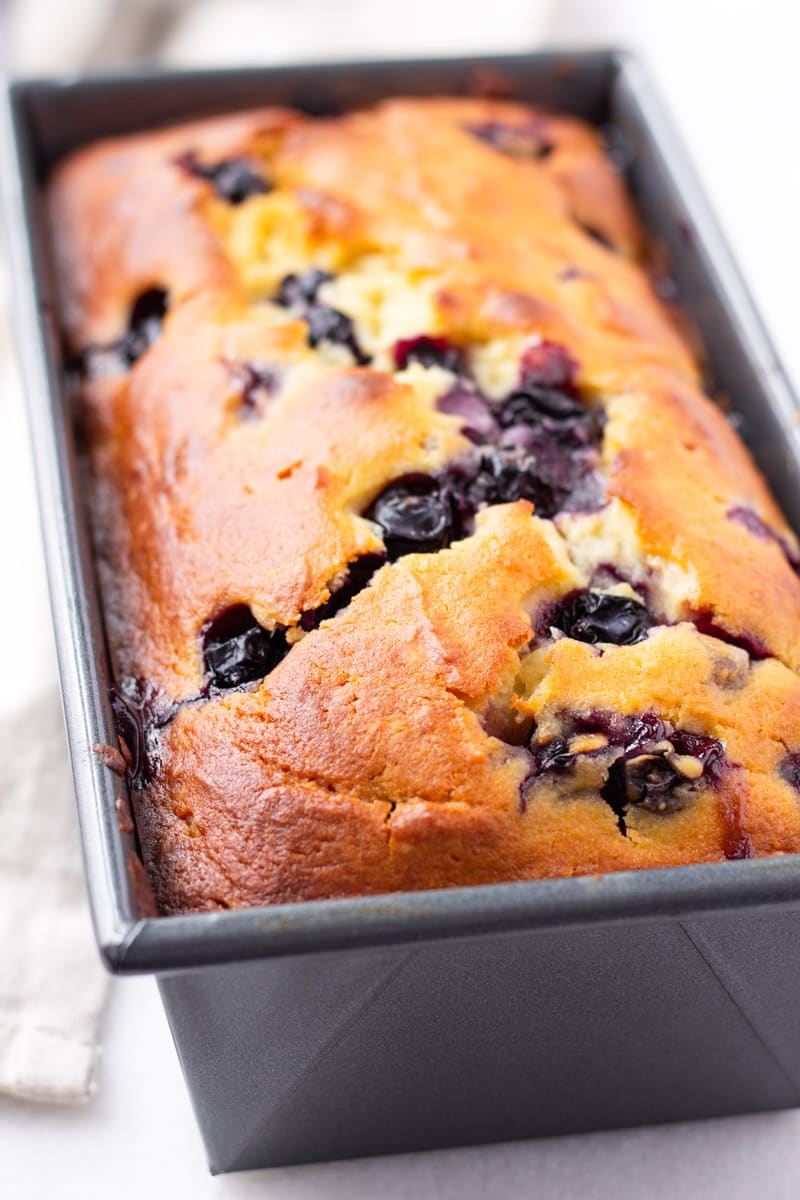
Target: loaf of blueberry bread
{"x": 425, "y": 559}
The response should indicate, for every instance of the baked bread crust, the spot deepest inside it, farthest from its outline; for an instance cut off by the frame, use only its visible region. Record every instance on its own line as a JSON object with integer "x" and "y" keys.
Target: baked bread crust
{"x": 432, "y": 732}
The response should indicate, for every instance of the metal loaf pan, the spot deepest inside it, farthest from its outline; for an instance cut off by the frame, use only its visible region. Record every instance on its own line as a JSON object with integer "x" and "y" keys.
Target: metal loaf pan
{"x": 342, "y": 1028}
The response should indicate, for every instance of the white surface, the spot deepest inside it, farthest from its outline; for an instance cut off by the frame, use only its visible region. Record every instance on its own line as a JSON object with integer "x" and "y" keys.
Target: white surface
{"x": 729, "y": 71}
{"x": 137, "y": 1138}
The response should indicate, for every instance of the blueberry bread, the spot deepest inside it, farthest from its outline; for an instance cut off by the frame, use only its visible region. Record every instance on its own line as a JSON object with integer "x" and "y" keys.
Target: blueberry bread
{"x": 425, "y": 559}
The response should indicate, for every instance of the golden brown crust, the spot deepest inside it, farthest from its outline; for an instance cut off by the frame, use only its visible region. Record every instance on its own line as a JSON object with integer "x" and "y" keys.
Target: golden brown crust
{"x": 395, "y": 746}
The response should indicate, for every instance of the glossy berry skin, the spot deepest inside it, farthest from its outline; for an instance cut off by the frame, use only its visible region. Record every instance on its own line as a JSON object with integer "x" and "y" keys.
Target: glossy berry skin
{"x": 548, "y": 407}
{"x": 140, "y": 709}
{"x": 595, "y": 617}
{"x": 415, "y": 515}
{"x": 504, "y": 475}
{"x": 237, "y": 650}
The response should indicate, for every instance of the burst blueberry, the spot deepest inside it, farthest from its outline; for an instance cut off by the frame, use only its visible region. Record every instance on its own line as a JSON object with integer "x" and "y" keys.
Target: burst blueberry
{"x": 649, "y": 764}
{"x": 428, "y": 352}
{"x": 238, "y": 650}
{"x": 233, "y": 179}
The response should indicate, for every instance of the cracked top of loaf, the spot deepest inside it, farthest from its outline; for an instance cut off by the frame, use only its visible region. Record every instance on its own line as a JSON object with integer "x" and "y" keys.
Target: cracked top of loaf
{"x": 425, "y": 559}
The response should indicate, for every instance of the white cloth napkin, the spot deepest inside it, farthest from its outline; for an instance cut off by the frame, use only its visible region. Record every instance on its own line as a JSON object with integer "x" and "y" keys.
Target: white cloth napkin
{"x": 52, "y": 986}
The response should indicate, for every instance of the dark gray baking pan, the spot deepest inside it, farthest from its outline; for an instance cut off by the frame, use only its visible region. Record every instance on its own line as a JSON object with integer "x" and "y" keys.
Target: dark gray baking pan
{"x": 342, "y": 1028}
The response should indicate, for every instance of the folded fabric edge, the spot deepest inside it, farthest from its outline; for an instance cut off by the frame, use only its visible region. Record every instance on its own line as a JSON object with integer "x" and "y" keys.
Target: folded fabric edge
{"x": 46, "y": 1067}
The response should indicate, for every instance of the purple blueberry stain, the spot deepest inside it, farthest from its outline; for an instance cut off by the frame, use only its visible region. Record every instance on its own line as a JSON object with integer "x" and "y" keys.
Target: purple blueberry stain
{"x": 140, "y": 710}
{"x": 233, "y": 179}
{"x": 789, "y": 770}
{"x": 479, "y": 422}
{"x": 705, "y": 622}
{"x": 753, "y": 523}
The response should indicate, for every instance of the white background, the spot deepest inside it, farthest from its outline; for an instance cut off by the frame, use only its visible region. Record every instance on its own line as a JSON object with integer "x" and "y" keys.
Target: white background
{"x": 730, "y": 72}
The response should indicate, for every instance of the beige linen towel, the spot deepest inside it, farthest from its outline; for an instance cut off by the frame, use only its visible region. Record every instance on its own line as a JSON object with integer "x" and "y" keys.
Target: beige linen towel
{"x": 52, "y": 985}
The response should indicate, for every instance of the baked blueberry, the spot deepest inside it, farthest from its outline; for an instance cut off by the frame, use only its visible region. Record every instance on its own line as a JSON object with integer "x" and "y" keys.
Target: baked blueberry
{"x": 415, "y": 515}
{"x": 256, "y": 382}
{"x": 329, "y": 325}
{"x": 527, "y": 140}
{"x": 358, "y": 577}
{"x": 428, "y": 352}
{"x": 505, "y": 474}
{"x": 301, "y": 290}
{"x": 549, "y": 365}
{"x": 659, "y": 778}
{"x": 233, "y": 179}
{"x": 145, "y": 321}
{"x": 529, "y": 465}
{"x": 543, "y": 406}
{"x": 631, "y": 733}
{"x": 237, "y": 650}
{"x": 140, "y": 710}
{"x": 325, "y": 324}
{"x": 552, "y": 756}
{"x": 595, "y": 617}
{"x": 649, "y": 764}
{"x": 648, "y": 782}
{"x": 789, "y": 770}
